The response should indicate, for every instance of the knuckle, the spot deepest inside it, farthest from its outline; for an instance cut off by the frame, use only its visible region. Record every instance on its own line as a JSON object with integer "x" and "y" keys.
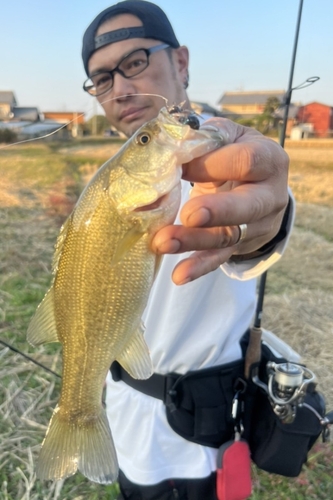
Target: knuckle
{"x": 226, "y": 236}
{"x": 246, "y": 160}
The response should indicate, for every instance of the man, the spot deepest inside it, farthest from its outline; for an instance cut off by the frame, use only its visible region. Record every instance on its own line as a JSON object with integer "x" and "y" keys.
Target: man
{"x": 235, "y": 221}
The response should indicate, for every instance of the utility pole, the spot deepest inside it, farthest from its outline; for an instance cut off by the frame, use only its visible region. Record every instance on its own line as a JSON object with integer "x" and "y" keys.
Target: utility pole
{"x": 94, "y": 119}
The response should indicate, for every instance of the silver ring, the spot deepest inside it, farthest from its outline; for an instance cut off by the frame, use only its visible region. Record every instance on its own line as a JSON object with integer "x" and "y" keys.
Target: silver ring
{"x": 242, "y": 232}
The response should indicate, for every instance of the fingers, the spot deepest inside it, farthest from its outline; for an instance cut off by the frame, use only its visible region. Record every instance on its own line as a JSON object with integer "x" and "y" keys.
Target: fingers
{"x": 244, "y": 182}
{"x": 178, "y": 239}
{"x": 199, "y": 264}
{"x": 245, "y": 203}
{"x": 253, "y": 158}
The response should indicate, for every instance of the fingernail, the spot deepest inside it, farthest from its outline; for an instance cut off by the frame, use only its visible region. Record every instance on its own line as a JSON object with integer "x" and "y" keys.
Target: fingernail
{"x": 184, "y": 281}
{"x": 199, "y": 218}
{"x": 168, "y": 246}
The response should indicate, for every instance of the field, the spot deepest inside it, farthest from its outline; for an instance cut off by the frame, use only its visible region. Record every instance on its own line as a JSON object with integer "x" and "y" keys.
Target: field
{"x": 39, "y": 184}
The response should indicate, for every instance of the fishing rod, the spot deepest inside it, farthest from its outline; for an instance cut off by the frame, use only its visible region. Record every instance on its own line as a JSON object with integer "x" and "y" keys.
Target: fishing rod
{"x": 253, "y": 353}
{"x": 287, "y": 102}
{"x": 14, "y": 349}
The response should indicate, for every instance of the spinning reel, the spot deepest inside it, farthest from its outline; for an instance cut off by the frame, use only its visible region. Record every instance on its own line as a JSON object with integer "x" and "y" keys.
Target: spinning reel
{"x": 286, "y": 388}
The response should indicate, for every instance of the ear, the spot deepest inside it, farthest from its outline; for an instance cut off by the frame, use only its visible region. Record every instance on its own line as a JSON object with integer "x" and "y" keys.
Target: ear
{"x": 181, "y": 61}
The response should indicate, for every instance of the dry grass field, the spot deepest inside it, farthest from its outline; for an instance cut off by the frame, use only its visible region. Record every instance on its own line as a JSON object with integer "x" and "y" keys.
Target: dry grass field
{"x": 39, "y": 184}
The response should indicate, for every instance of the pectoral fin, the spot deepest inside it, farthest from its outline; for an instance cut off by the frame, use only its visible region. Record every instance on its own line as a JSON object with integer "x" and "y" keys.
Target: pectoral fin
{"x": 135, "y": 358}
{"x": 129, "y": 240}
{"x": 42, "y": 328}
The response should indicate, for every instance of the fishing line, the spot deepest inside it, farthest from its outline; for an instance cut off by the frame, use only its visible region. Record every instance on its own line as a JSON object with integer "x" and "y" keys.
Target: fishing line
{"x": 79, "y": 116}
{"x": 14, "y": 349}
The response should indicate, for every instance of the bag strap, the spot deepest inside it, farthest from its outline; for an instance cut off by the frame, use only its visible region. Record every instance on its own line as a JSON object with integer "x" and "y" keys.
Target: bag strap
{"x": 153, "y": 386}
{"x": 163, "y": 386}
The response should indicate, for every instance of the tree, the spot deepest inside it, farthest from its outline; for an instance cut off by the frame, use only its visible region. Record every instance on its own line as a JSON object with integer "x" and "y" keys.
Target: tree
{"x": 7, "y": 135}
{"x": 271, "y": 105}
{"x": 265, "y": 121}
{"x": 97, "y": 125}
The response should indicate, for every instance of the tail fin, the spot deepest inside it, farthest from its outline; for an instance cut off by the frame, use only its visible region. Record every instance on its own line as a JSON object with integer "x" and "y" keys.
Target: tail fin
{"x": 69, "y": 447}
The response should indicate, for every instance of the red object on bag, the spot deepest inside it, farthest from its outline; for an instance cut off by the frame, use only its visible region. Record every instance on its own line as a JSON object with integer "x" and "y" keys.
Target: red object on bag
{"x": 233, "y": 480}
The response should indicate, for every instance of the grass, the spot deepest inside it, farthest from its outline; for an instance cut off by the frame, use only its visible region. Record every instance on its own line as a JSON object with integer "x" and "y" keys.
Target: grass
{"x": 38, "y": 187}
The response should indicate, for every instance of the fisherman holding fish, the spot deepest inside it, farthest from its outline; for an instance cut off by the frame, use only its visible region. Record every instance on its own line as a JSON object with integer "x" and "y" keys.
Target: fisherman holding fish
{"x": 233, "y": 223}
{"x": 231, "y": 218}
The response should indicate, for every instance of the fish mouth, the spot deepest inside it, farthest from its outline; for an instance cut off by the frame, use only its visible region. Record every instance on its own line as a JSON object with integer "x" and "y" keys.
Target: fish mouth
{"x": 168, "y": 198}
{"x": 152, "y": 206}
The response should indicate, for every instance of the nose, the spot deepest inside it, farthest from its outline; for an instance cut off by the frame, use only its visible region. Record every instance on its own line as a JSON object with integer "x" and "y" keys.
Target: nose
{"x": 122, "y": 86}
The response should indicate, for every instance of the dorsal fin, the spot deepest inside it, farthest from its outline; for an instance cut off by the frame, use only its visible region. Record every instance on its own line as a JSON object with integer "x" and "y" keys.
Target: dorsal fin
{"x": 59, "y": 244}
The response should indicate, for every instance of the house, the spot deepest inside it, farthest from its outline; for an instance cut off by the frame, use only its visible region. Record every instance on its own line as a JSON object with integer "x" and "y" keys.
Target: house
{"x": 65, "y": 116}
{"x": 30, "y": 114}
{"x": 248, "y": 104}
{"x": 291, "y": 119}
{"x": 319, "y": 115}
{"x": 72, "y": 119}
{"x": 28, "y": 122}
{"x": 203, "y": 108}
{"x": 7, "y": 102}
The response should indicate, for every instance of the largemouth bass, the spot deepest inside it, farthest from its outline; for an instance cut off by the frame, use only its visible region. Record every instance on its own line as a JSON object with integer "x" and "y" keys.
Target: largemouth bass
{"x": 103, "y": 272}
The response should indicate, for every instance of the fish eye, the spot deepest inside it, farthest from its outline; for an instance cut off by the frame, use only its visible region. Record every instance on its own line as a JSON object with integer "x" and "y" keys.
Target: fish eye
{"x": 143, "y": 138}
{"x": 193, "y": 122}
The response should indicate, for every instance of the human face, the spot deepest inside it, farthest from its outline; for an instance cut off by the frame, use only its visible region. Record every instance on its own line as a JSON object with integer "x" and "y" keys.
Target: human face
{"x": 124, "y": 107}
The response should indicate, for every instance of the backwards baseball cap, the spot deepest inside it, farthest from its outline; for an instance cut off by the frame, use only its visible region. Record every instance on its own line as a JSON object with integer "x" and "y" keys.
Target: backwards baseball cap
{"x": 155, "y": 24}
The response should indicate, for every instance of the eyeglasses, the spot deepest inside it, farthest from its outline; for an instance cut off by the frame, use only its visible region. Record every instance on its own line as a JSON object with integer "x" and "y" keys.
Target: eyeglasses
{"x": 131, "y": 65}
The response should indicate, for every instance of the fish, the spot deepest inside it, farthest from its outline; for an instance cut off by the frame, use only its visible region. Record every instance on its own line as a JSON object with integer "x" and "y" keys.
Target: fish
{"x": 103, "y": 270}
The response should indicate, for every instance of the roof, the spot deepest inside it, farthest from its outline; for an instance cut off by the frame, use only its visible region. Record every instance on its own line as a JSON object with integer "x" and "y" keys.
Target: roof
{"x": 65, "y": 116}
{"x": 255, "y": 97}
{"x": 28, "y": 128}
{"x": 292, "y": 111}
{"x": 7, "y": 96}
{"x": 317, "y": 103}
{"x": 202, "y": 108}
{"x": 26, "y": 113}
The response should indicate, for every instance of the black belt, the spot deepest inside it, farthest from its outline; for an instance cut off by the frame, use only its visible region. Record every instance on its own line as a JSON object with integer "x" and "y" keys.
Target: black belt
{"x": 154, "y": 386}
{"x": 164, "y": 386}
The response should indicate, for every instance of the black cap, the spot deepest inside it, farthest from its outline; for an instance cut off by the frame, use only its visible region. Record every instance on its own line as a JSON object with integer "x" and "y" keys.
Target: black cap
{"x": 155, "y": 24}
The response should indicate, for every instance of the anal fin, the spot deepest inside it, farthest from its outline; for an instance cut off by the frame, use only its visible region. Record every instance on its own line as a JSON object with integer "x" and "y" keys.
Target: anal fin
{"x": 42, "y": 328}
{"x": 135, "y": 358}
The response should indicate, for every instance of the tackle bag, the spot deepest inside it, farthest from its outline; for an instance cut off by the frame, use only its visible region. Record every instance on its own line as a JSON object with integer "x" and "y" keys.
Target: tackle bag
{"x": 199, "y": 408}
{"x": 277, "y": 447}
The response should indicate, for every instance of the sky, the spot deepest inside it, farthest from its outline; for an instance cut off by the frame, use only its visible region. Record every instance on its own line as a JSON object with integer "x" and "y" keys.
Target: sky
{"x": 234, "y": 45}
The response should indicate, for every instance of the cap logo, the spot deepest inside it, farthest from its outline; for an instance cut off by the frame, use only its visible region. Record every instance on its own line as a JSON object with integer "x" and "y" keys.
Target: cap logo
{"x": 117, "y": 35}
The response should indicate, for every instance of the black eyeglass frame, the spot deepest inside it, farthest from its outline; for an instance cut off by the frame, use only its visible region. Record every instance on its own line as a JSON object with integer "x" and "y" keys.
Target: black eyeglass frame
{"x": 151, "y": 50}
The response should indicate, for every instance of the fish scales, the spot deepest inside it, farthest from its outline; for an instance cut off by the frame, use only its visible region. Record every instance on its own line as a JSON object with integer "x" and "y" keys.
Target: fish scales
{"x": 103, "y": 273}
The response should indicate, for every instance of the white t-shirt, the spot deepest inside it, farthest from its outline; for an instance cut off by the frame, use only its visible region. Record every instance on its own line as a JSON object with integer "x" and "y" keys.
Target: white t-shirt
{"x": 197, "y": 325}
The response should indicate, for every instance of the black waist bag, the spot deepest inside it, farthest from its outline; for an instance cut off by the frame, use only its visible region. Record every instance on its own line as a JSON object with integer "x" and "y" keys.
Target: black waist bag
{"x": 283, "y": 448}
{"x": 199, "y": 408}
{"x": 277, "y": 447}
{"x": 199, "y": 404}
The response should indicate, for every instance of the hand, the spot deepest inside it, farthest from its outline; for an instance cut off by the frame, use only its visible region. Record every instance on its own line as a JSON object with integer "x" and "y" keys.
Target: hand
{"x": 243, "y": 182}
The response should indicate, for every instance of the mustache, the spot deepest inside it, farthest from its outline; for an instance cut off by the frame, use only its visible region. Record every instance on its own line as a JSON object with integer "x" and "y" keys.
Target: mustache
{"x": 124, "y": 96}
